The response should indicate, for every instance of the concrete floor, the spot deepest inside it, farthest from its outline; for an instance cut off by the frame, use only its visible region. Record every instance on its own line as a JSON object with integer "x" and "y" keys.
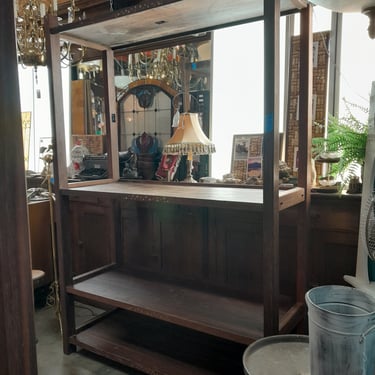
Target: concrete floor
{"x": 52, "y": 360}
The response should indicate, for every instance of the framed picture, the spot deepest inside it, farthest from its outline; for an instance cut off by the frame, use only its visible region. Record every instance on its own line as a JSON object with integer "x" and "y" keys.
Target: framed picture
{"x": 167, "y": 167}
{"x": 247, "y": 155}
{"x": 26, "y": 128}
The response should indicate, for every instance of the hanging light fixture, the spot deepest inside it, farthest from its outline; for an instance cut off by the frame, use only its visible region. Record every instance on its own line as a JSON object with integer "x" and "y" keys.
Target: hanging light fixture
{"x": 366, "y": 7}
{"x": 31, "y": 40}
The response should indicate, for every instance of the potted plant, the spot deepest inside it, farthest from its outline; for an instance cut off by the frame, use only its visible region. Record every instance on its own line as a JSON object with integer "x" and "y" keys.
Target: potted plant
{"x": 343, "y": 147}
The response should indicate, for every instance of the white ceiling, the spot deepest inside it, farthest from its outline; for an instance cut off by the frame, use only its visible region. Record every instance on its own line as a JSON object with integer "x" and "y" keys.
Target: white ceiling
{"x": 179, "y": 17}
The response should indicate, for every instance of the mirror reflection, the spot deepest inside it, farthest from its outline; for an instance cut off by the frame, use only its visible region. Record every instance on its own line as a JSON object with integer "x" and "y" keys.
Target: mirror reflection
{"x": 87, "y": 144}
{"x": 154, "y": 88}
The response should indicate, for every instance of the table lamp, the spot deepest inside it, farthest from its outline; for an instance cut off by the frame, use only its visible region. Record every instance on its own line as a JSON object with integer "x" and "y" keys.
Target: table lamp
{"x": 189, "y": 139}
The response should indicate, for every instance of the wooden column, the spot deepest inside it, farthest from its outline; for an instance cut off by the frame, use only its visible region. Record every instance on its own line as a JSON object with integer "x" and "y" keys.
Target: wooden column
{"x": 17, "y": 338}
{"x": 60, "y": 179}
{"x": 304, "y": 145}
{"x": 271, "y": 167}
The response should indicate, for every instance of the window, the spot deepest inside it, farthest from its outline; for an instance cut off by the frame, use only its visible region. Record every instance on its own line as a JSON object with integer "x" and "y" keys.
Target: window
{"x": 35, "y": 98}
{"x": 357, "y": 63}
{"x": 237, "y": 82}
{"x": 34, "y": 95}
{"x": 237, "y": 87}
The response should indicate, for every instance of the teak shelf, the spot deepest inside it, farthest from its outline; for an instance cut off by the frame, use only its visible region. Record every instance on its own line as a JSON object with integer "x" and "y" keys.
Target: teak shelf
{"x": 211, "y": 196}
{"x": 150, "y": 345}
{"x": 229, "y": 318}
{"x": 185, "y": 274}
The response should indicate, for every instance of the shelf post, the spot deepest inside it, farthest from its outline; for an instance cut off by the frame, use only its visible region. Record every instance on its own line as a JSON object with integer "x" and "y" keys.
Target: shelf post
{"x": 61, "y": 210}
{"x": 304, "y": 142}
{"x": 271, "y": 167}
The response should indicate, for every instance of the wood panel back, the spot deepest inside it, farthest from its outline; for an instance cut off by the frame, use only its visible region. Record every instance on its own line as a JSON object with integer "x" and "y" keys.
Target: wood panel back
{"x": 215, "y": 249}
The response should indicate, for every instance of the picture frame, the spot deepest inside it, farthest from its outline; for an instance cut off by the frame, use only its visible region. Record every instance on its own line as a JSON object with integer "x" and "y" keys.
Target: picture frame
{"x": 247, "y": 156}
{"x": 167, "y": 167}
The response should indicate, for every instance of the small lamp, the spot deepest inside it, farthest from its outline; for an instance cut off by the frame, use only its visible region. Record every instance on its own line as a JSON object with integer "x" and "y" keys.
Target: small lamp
{"x": 189, "y": 139}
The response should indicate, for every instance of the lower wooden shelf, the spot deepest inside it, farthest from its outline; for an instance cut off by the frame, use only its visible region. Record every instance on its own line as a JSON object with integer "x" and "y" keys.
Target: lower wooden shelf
{"x": 157, "y": 347}
{"x": 229, "y": 318}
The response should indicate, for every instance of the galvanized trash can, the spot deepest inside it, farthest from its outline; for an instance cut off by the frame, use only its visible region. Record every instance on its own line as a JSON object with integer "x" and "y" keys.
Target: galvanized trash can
{"x": 341, "y": 331}
{"x": 281, "y": 355}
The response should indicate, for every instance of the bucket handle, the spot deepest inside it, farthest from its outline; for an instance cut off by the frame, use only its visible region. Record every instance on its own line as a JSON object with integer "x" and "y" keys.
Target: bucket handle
{"x": 364, "y": 334}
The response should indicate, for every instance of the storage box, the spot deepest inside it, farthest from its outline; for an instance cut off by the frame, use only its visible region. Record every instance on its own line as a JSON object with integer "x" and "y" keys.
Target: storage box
{"x": 94, "y": 143}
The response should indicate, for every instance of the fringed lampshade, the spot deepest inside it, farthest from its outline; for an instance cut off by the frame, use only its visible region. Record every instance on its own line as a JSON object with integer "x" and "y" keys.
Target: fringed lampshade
{"x": 189, "y": 139}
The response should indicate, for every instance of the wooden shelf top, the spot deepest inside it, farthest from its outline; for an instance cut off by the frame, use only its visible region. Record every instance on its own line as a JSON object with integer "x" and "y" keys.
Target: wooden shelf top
{"x": 230, "y": 318}
{"x": 167, "y": 19}
{"x": 206, "y": 196}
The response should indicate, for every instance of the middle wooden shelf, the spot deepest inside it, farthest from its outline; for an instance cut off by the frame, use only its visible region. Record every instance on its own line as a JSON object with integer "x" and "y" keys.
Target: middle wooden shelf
{"x": 230, "y": 318}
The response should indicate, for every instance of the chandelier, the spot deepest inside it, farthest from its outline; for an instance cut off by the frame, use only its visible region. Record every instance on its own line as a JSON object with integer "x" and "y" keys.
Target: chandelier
{"x": 31, "y": 40}
{"x": 30, "y": 33}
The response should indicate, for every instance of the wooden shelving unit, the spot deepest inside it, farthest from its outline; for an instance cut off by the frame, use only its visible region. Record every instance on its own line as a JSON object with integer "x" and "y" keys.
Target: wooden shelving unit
{"x": 189, "y": 271}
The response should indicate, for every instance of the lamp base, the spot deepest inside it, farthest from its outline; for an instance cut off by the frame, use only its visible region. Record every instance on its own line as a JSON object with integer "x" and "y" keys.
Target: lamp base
{"x": 189, "y": 179}
{"x": 189, "y": 167}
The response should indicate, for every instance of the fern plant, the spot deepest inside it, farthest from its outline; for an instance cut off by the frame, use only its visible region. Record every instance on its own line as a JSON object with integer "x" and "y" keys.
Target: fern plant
{"x": 346, "y": 138}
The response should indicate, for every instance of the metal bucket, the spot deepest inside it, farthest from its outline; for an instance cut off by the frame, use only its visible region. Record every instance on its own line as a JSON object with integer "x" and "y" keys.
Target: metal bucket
{"x": 281, "y": 355}
{"x": 341, "y": 331}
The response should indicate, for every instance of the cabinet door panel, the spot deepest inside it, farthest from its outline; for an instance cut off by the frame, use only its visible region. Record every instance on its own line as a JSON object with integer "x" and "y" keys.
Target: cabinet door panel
{"x": 165, "y": 239}
{"x": 235, "y": 256}
{"x": 93, "y": 235}
{"x": 334, "y": 239}
{"x": 336, "y": 214}
{"x": 140, "y": 236}
{"x": 40, "y": 239}
{"x": 333, "y": 256}
{"x": 184, "y": 242}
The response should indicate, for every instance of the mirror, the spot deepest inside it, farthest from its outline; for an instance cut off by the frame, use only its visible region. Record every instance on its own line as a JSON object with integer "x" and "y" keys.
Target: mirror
{"x": 87, "y": 158}
{"x": 150, "y": 88}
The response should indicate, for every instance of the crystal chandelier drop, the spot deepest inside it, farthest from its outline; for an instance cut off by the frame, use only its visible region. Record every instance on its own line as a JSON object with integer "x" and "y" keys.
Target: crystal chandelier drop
{"x": 31, "y": 41}
{"x": 30, "y": 32}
